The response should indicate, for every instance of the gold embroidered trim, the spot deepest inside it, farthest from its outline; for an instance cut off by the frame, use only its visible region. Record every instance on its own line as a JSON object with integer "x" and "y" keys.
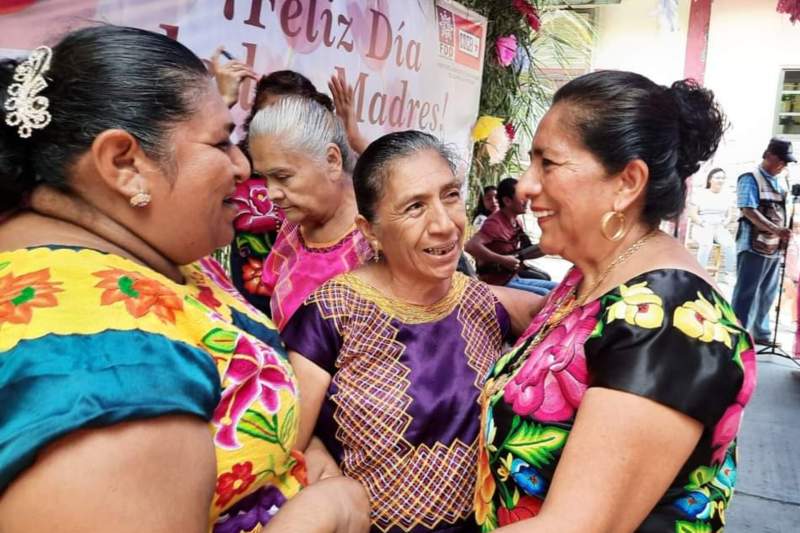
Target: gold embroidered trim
{"x": 407, "y": 312}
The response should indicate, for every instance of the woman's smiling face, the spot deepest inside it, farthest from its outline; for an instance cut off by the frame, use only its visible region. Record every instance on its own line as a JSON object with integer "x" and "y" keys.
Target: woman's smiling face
{"x": 567, "y": 186}
{"x": 420, "y": 217}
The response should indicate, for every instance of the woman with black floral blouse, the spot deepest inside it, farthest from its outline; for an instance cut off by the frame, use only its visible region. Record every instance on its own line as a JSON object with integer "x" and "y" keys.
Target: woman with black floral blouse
{"x": 618, "y": 409}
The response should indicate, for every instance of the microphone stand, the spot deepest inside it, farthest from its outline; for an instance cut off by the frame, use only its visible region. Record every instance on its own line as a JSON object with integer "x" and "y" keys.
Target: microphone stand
{"x": 774, "y": 349}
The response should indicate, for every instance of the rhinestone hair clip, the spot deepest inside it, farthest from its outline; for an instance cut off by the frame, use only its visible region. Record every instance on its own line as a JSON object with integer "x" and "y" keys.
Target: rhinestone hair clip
{"x": 25, "y": 109}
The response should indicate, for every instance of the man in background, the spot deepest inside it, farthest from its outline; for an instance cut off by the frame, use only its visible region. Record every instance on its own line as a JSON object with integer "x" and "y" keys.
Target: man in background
{"x": 762, "y": 234}
{"x": 501, "y": 246}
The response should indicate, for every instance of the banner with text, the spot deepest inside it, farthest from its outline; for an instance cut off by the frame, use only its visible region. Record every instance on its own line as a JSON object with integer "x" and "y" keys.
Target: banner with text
{"x": 413, "y": 63}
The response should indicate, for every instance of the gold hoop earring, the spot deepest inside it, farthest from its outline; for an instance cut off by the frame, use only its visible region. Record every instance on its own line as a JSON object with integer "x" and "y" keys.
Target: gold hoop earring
{"x": 620, "y": 232}
{"x": 140, "y": 199}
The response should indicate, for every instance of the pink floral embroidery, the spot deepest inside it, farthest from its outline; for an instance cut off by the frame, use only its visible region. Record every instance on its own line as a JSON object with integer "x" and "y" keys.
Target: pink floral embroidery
{"x": 214, "y": 271}
{"x": 572, "y": 278}
{"x": 254, "y": 373}
{"x": 256, "y": 212}
{"x": 551, "y": 383}
{"x": 728, "y": 426}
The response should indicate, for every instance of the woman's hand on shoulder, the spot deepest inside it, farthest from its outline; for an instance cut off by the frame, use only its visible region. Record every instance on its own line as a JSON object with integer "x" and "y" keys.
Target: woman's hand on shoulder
{"x": 336, "y": 504}
{"x": 154, "y": 475}
{"x": 521, "y": 306}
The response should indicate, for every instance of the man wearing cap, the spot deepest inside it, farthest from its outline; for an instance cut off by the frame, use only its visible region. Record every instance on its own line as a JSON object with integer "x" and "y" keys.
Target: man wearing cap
{"x": 761, "y": 235}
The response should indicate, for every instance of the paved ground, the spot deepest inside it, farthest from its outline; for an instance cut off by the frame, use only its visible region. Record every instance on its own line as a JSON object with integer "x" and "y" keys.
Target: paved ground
{"x": 767, "y": 498}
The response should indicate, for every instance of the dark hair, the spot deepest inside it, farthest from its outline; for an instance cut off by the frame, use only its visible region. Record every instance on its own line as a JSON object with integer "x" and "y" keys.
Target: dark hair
{"x": 374, "y": 165}
{"x": 100, "y": 78}
{"x": 623, "y": 116}
{"x": 711, "y": 173}
{"x": 288, "y": 83}
{"x": 480, "y": 209}
{"x": 281, "y": 83}
{"x": 507, "y": 188}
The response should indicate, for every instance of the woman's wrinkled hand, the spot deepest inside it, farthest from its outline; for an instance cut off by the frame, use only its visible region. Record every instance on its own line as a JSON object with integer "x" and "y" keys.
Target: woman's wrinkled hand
{"x": 342, "y": 94}
{"x": 333, "y": 505}
{"x": 353, "y": 503}
{"x": 229, "y": 76}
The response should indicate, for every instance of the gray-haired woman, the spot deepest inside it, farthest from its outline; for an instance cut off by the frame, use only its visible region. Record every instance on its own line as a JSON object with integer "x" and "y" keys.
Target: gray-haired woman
{"x": 301, "y": 149}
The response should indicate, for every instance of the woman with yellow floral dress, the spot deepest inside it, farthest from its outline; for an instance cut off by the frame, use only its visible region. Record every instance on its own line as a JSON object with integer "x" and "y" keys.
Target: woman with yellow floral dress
{"x": 138, "y": 390}
{"x": 618, "y": 409}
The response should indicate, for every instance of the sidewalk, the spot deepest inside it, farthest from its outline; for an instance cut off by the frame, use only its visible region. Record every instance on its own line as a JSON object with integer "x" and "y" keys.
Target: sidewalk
{"x": 767, "y": 497}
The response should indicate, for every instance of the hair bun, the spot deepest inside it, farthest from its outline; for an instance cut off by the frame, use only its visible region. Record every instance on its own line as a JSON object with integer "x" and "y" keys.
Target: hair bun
{"x": 16, "y": 172}
{"x": 701, "y": 124}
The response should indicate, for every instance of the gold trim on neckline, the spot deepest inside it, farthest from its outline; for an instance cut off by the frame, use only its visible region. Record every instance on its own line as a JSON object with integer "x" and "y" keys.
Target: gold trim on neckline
{"x": 407, "y": 312}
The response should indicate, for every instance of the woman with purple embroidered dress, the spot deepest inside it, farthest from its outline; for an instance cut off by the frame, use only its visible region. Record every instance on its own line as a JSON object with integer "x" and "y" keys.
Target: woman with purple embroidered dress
{"x": 301, "y": 149}
{"x": 390, "y": 357}
{"x": 619, "y": 407}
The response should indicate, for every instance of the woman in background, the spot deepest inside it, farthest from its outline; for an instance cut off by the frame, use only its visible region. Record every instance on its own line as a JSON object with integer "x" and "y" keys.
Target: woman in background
{"x": 711, "y": 210}
{"x": 300, "y": 148}
{"x": 259, "y": 220}
{"x": 487, "y": 204}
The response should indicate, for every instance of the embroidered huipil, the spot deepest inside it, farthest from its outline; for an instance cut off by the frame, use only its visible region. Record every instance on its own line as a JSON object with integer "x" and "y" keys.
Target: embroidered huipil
{"x": 401, "y": 414}
{"x": 666, "y": 335}
{"x": 295, "y": 268}
{"x": 89, "y": 339}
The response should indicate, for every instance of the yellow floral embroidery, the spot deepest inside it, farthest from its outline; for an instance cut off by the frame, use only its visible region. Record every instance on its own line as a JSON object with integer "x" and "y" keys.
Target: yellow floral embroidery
{"x": 505, "y": 467}
{"x": 700, "y": 320}
{"x": 639, "y": 306}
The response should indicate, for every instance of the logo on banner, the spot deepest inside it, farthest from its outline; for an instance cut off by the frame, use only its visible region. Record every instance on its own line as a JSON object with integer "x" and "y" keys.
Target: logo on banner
{"x": 460, "y": 39}
{"x": 447, "y": 32}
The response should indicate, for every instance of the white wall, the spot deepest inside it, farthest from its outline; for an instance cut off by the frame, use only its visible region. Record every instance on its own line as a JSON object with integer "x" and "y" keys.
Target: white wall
{"x": 749, "y": 43}
{"x": 631, "y": 36}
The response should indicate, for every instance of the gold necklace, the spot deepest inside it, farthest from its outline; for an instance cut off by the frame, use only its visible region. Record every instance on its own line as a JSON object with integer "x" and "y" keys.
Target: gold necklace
{"x": 564, "y": 308}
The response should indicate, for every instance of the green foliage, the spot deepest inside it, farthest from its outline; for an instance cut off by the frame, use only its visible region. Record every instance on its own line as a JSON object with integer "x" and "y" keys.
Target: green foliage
{"x": 521, "y": 93}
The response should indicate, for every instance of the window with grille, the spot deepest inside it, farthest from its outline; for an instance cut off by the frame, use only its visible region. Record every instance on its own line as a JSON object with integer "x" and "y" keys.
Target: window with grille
{"x": 788, "y": 114}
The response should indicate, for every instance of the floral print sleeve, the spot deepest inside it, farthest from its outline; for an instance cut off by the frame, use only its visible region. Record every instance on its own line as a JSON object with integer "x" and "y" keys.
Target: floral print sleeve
{"x": 670, "y": 338}
{"x": 666, "y": 335}
{"x": 91, "y": 339}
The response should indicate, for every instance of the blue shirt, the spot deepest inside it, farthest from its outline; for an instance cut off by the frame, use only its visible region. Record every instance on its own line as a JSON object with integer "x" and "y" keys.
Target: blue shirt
{"x": 747, "y": 196}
